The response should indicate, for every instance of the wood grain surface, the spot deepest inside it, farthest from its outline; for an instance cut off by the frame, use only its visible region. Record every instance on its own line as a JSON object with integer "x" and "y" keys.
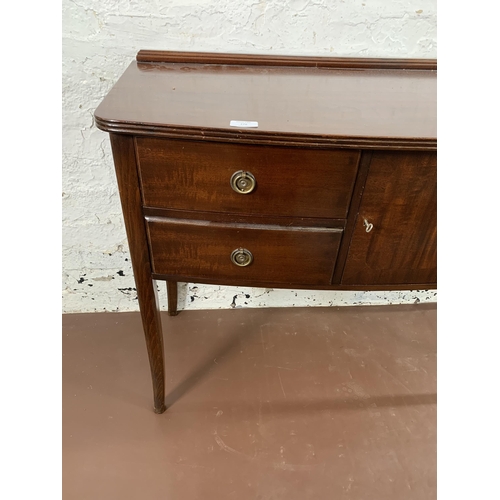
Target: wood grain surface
{"x": 202, "y": 249}
{"x": 193, "y": 175}
{"x": 350, "y": 223}
{"x": 370, "y": 108}
{"x": 172, "y": 297}
{"x": 128, "y": 184}
{"x": 400, "y": 201}
{"x": 340, "y": 145}
{"x": 282, "y": 60}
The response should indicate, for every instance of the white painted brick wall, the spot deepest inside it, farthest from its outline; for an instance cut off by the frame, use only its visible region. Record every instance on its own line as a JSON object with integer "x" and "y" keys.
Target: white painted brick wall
{"x": 101, "y": 37}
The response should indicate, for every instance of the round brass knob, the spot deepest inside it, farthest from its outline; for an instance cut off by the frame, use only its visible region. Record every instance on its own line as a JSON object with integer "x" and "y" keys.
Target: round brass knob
{"x": 243, "y": 182}
{"x": 241, "y": 257}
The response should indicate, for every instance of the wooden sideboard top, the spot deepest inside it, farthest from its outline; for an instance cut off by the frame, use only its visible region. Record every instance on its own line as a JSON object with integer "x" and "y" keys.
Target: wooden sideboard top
{"x": 361, "y": 103}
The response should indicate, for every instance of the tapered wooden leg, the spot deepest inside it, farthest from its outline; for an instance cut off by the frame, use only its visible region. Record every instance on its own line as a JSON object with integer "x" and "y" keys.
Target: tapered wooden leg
{"x": 172, "y": 298}
{"x": 128, "y": 184}
{"x": 151, "y": 321}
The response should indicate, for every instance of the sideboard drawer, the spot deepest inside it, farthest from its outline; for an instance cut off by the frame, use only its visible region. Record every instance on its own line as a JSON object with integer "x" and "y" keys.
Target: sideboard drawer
{"x": 277, "y": 254}
{"x": 297, "y": 182}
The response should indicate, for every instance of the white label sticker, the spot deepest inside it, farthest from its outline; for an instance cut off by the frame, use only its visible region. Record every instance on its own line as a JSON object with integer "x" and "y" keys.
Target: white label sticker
{"x": 243, "y": 124}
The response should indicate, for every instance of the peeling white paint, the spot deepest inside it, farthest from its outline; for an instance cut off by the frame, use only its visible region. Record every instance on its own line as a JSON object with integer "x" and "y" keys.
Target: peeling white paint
{"x": 100, "y": 38}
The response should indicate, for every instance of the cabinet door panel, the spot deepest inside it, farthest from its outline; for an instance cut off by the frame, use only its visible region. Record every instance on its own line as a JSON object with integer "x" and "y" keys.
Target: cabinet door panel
{"x": 399, "y": 199}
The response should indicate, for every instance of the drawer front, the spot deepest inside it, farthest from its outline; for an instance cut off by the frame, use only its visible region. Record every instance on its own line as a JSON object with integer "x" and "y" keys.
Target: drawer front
{"x": 200, "y": 249}
{"x": 298, "y": 182}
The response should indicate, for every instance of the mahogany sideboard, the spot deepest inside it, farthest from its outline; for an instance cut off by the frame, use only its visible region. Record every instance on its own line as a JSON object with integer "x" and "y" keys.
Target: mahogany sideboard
{"x": 273, "y": 171}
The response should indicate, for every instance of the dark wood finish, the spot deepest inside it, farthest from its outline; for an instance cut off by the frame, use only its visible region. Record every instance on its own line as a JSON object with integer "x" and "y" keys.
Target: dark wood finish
{"x": 172, "y": 297}
{"x": 274, "y": 219}
{"x": 299, "y": 286}
{"x": 294, "y": 106}
{"x": 268, "y": 139}
{"x": 353, "y": 212}
{"x": 400, "y": 201}
{"x": 338, "y": 141}
{"x": 290, "y": 182}
{"x": 166, "y": 56}
{"x": 202, "y": 249}
{"x": 128, "y": 184}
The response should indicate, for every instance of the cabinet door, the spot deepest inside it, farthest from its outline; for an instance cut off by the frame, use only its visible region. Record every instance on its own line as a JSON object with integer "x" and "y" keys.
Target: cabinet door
{"x": 399, "y": 199}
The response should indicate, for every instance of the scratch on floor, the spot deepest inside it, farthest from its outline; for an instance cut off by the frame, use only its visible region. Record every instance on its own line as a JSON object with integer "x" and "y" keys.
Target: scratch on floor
{"x": 294, "y": 467}
{"x": 281, "y": 383}
{"x": 193, "y": 466}
{"x": 223, "y": 446}
{"x": 393, "y": 454}
{"x": 281, "y": 367}
{"x": 262, "y": 341}
{"x": 395, "y": 378}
